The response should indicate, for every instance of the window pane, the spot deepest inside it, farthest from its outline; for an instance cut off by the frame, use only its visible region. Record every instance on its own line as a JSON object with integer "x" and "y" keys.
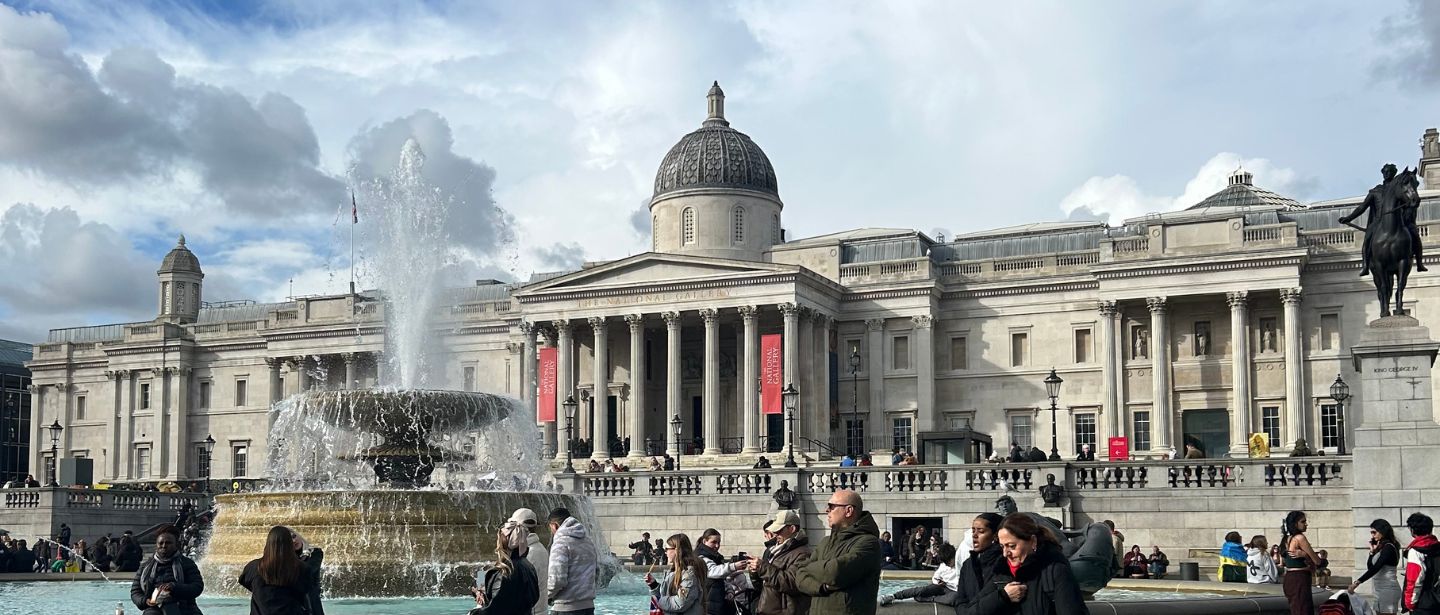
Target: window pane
{"x": 204, "y": 394}
{"x": 1019, "y": 349}
{"x": 1329, "y": 425}
{"x": 1020, "y": 430}
{"x": 958, "y": 351}
{"x": 142, "y": 462}
{"x": 240, "y": 454}
{"x": 1141, "y": 441}
{"x": 1085, "y": 431}
{"x": 145, "y": 396}
{"x": 80, "y": 408}
{"x": 900, "y": 433}
{"x": 240, "y": 393}
{"x": 901, "y": 353}
{"x": 1270, "y": 424}
{"x": 855, "y": 436}
{"x": 1082, "y": 345}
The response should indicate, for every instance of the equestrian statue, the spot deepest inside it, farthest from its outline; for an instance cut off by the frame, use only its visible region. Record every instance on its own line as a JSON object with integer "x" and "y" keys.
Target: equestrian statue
{"x": 1392, "y": 241}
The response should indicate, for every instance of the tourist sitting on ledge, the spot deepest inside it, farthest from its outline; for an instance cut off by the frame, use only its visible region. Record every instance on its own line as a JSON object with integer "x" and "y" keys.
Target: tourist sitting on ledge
{"x": 762, "y": 462}
{"x": 865, "y": 461}
{"x": 1232, "y": 559}
{"x": 943, "y": 584}
{"x": 1193, "y": 452}
{"x": 655, "y": 465}
{"x": 1135, "y": 565}
{"x": 1158, "y": 563}
{"x": 1085, "y": 453}
{"x": 1302, "y": 449}
{"x": 669, "y": 462}
{"x": 1259, "y": 564}
{"x": 847, "y": 462}
{"x": 594, "y": 466}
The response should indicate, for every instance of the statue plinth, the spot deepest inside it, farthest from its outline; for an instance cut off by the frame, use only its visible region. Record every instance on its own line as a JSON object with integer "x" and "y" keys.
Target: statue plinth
{"x": 1397, "y": 440}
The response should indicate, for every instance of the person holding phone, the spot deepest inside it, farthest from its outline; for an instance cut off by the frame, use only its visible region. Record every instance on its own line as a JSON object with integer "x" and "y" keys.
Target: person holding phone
{"x": 1380, "y": 568}
{"x": 683, "y": 588}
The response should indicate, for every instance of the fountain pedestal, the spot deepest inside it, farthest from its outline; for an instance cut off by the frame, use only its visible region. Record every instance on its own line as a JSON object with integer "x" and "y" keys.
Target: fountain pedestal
{"x": 1397, "y": 440}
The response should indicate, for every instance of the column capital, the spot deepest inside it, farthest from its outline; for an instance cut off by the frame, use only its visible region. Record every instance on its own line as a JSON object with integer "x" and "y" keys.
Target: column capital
{"x": 922, "y": 321}
{"x": 61, "y": 387}
{"x": 672, "y": 319}
{"x": 513, "y": 347}
{"x": 1237, "y": 300}
{"x": 1290, "y": 296}
{"x": 526, "y": 327}
{"x": 596, "y": 322}
{"x": 711, "y": 315}
{"x": 273, "y": 362}
{"x": 1157, "y": 305}
{"x": 789, "y": 309}
{"x": 34, "y": 389}
{"x": 350, "y": 357}
{"x": 562, "y": 327}
{"x": 110, "y": 373}
{"x": 1108, "y": 308}
{"x": 636, "y": 322}
{"x": 874, "y": 324}
{"x": 156, "y": 371}
{"x": 546, "y": 333}
{"x": 748, "y": 312}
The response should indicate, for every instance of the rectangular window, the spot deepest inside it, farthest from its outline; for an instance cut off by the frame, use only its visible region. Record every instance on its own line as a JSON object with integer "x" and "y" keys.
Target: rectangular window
{"x": 1329, "y": 331}
{"x": 202, "y": 461}
{"x": 854, "y": 437}
{"x": 79, "y": 407}
{"x": 1020, "y": 431}
{"x": 1329, "y": 425}
{"x": 204, "y": 394}
{"x": 144, "y": 396}
{"x": 240, "y": 393}
{"x": 900, "y": 353}
{"x": 142, "y": 462}
{"x": 1270, "y": 424}
{"x": 49, "y": 469}
{"x": 469, "y": 378}
{"x": 1019, "y": 349}
{"x": 902, "y": 428}
{"x": 239, "y": 457}
{"x": 958, "y": 353}
{"x": 1082, "y": 346}
{"x": 1141, "y": 439}
{"x": 1085, "y": 432}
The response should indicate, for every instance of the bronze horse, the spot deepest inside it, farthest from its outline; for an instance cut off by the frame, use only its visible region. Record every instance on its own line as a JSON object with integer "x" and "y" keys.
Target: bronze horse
{"x": 1391, "y": 251}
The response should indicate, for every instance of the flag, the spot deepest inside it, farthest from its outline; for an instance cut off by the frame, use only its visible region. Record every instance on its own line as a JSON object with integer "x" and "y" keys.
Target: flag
{"x": 354, "y": 213}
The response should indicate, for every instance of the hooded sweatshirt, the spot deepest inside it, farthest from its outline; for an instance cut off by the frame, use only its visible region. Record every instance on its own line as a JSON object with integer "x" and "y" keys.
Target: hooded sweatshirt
{"x": 572, "y": 569}
{"x": 539, "y": 559}
{"x": 1418, "y": 558}
{"x": 1259, "y": 567}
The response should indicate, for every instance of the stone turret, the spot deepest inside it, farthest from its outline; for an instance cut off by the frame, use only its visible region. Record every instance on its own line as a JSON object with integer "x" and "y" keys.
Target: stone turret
{"x": 1430, "y": 159}
{"x": 179, "y": 292}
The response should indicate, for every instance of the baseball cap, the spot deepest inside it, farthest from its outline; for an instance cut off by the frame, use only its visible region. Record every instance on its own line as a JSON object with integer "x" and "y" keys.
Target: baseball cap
{"x": 525, "y": 517}
{"x": 783, "y": 518}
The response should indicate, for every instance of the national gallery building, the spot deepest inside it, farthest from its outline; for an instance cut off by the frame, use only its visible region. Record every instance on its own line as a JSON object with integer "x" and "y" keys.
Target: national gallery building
{"x": 1230, "y": 318}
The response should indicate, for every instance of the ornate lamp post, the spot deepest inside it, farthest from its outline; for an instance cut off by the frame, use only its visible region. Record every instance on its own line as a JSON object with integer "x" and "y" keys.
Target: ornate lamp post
{"x": 55, "y": 430}
{"x": 855, "y": 398}
{"x": 209, "y": 458}
{"x": 676, "y": 426}
{"x": 570, "y": 406}
{"x": 792, "y": 399}
{"x": 1052, "y": 388}
{"x": 1339, "y": 391}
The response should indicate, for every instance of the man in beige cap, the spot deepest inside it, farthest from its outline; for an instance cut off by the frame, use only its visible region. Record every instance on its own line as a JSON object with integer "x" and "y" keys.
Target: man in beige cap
{"x": 538, "y": 556}
{"x": 776, "y": 568}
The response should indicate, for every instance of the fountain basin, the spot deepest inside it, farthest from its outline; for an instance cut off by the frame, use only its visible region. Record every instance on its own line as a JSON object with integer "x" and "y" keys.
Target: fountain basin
{"x": 377, "y": 542}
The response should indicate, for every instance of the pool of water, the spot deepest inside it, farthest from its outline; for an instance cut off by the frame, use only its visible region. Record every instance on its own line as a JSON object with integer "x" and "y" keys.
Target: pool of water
{"x": 626, "y": 596}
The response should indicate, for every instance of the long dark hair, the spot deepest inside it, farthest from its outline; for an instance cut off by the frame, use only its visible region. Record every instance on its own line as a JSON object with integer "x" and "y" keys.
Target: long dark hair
{"x": 1022, "y": 526}
{"x": 1387, "y": 533}
{"x": 991, "y": 520}
{"x": 1290, "y": 528}
{"x": 279, "y": 565}
{"x": 685, "y": 558}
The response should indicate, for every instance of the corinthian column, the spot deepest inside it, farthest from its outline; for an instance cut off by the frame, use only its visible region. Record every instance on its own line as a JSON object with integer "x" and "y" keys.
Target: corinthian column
{"x": 601, "y": 398}
{"x": 712, "y": 381}
{"x": 637, "y": 385}
{"x": 750, "y": 379}
{"x": 672, "y": 378}
{"x": 564, "y": 382}
{"x": 1295, "y": 406}
{"x": 1239, "y": 373}
{"x": 791, "y": 343}
{"x": 1160, "y": 383}
{"x": 925, "y": 371}
{"x": 1110, "y": 368}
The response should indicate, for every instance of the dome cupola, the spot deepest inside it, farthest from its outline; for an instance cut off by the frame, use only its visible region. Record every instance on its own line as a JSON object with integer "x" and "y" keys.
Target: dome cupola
{"x": 180, "y": 278}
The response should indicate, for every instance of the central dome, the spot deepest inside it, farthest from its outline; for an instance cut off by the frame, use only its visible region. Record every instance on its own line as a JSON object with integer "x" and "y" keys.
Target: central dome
{"x": 716, "y": 156}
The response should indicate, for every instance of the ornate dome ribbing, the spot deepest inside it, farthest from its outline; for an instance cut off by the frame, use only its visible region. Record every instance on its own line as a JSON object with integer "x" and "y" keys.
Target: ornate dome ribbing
{"x": 180, "y": 259}
{"x": 716, "y": 156}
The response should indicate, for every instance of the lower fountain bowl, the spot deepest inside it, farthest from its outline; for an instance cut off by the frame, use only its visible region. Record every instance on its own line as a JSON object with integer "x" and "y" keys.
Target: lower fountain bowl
{"x": 377, "y": 542}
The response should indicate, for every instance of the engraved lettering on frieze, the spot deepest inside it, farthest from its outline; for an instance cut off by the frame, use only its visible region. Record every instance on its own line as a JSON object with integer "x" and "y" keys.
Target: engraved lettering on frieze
{"x": 649, "y": 298}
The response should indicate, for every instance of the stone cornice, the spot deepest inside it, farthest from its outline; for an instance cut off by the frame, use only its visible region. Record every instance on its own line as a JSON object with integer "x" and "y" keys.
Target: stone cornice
{"x": 501, "y": 329}
{"x": 1166, "y": 267}
{"x": 1008, "y": 291}
{"x": 672, "y": 286}
{"x": 894, "y": 293}
{"x": 310, "y": 334}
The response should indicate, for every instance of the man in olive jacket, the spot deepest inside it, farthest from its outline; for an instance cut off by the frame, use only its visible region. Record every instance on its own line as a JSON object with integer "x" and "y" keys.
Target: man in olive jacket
{"x": 776, "y": 569}
{"x": 843, "y": 574}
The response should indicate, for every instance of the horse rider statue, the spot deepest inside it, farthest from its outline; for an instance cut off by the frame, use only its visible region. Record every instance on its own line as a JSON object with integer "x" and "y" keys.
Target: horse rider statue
{"x": 1392, "y": 240}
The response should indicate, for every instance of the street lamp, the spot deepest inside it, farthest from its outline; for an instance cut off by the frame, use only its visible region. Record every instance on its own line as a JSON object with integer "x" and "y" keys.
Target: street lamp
{"x": 855, "y": 400}
{"x": 676, "y": 427}
{"x": 570, "y": 406}
{"x": 792, "y": 398}
{"x": 55, "y": 430}
{"x": 209, "y": 457}
{"x": 1339, "y": 391}
{"x": 1052, "y": 388}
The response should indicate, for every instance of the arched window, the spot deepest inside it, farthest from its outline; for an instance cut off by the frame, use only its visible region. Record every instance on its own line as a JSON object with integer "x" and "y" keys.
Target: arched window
{"x": 687, "y": 221}
{"x": 775, "y": 228}
{"x": 738, "y": 217}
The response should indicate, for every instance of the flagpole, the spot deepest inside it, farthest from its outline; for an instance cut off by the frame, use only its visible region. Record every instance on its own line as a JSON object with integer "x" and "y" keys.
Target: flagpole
{"x": 354, "y": 219}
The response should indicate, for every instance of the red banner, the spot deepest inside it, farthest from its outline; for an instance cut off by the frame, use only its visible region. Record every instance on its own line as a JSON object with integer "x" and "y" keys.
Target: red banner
{"x": 1119, "y": 448}
{"x": 545, "y": 404}
{"x": 772, "y": 374}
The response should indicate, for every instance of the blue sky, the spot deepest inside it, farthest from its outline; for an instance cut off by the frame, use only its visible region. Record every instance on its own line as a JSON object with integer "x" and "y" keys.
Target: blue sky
{"x": 238, "y": 124}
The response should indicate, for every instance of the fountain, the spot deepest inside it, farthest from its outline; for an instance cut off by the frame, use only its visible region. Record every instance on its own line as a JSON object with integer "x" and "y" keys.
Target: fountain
{"x": 351, "y": 470}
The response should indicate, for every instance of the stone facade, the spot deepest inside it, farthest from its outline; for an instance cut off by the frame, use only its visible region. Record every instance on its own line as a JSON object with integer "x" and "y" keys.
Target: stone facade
{"x": 1209, "y": 324}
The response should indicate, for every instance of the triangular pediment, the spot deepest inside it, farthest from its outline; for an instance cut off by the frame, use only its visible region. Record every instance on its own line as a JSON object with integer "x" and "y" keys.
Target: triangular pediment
{"x": 652, "y": 268}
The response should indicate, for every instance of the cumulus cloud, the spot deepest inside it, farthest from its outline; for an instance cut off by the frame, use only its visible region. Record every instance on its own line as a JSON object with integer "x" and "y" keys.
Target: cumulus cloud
{"x": 1119, "y": 197}
{"x": 561, "y": 256}
{"x": 1412, "y": 42}
{"x": 640, "y": 220}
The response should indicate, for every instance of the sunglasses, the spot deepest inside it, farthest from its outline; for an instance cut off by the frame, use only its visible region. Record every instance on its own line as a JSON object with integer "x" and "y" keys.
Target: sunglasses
{"x": 829, "y": 506}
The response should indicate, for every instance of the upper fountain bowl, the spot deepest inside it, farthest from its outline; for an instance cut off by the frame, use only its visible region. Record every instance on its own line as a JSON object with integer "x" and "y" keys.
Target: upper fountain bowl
{"x": 407, "y": 415}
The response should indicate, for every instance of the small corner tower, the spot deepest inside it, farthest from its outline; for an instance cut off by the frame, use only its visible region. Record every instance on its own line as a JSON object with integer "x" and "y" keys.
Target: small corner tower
{"x": 1430, "y": 159}
{"x": 715, "y": 192}
{"x": 180, "y": 277}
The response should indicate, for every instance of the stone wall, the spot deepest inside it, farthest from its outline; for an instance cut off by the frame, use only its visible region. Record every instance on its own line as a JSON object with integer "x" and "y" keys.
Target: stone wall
{"x": 28, "y": 513}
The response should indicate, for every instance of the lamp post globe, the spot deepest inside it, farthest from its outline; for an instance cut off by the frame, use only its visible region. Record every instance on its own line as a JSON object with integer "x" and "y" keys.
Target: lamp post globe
{"x": 55, "y": 430}
{"x": 570, "y": 406}
{"x": 1052, "y": 388}
{"x": 1339, "y": 391}
{"x": 676, "y": 427}
{"x": 792, "y": 399}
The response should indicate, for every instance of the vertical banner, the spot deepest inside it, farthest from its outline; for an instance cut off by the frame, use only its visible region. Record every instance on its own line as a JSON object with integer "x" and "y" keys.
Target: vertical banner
{"x": 1119, "y": 448}
{"x": 545, "y": 408}
{"x": 772, "y": 374}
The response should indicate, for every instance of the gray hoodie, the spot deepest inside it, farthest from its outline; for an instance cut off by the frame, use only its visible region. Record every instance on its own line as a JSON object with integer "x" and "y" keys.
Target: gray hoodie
{"x": 573, "y": 575}
{"x": 539, "y": 558}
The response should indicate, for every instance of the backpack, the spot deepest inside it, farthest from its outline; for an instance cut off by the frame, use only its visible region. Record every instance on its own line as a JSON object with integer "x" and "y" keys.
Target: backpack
{"x": 1336, "y": 606}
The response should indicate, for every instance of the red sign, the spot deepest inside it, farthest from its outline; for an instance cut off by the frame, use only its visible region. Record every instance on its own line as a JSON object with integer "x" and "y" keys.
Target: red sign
{"x": 772, "y": 373}
{"x": 545, "y": 404}
{"x": 1119, "y": 448}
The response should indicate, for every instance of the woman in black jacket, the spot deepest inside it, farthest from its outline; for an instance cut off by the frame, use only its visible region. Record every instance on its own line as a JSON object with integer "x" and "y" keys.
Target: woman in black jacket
{"x": 975, "y": 593}
{"x": 1034, "y": 574}
{"x": 279, "y": 582}
{"x": 511, "y": 587}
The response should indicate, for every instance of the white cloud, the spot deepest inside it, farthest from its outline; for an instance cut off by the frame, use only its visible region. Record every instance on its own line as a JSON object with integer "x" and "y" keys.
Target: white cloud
{"x": 1117, "y": 198}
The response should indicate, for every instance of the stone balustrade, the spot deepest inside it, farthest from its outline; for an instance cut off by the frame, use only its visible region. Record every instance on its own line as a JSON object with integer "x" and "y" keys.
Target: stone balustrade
{"x": 29, "y": 512}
